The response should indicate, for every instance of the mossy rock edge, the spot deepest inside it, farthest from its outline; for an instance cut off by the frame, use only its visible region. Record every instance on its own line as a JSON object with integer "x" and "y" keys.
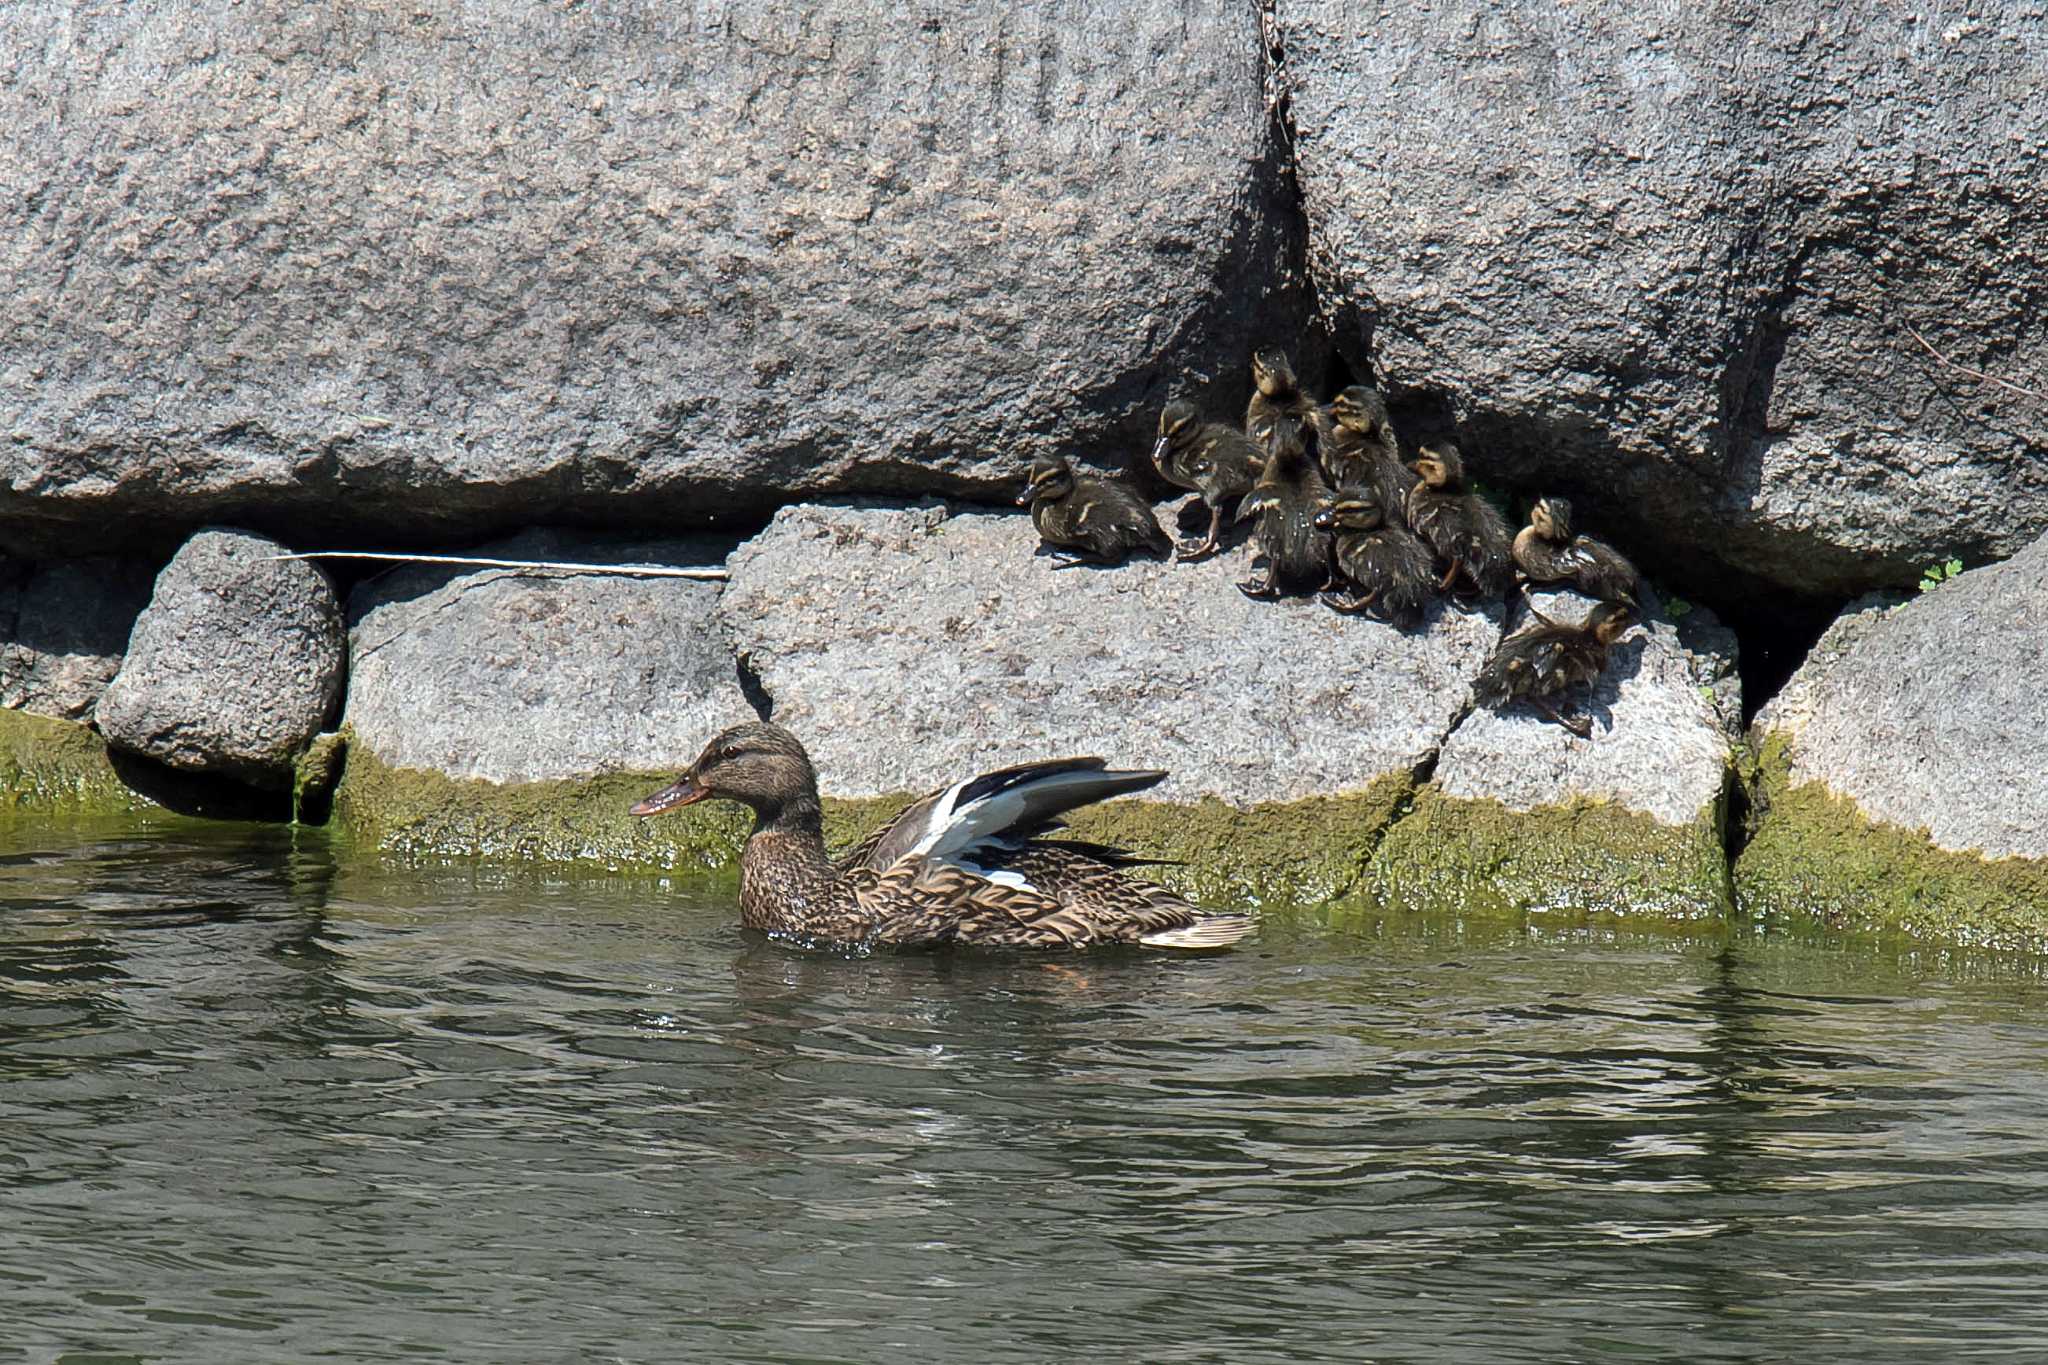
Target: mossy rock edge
{"x": 1586, "y": 858}
{"x": 1813, "y": 853}
{"x": 1280, "y": 852}
{"x": 60, "y": 767}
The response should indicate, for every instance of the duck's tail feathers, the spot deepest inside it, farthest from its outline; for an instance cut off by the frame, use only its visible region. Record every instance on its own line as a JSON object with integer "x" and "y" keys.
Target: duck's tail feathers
{"x": 1209, "y": 932}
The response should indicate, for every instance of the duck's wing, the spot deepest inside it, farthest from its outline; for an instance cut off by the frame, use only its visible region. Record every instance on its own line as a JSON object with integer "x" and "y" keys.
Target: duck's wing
{"x": 1009, "y": 803}
{"x": 926, "y": 902}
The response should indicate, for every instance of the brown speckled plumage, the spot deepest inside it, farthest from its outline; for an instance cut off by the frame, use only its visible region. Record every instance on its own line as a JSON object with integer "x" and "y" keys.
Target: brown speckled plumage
{"x": 1462, "y": 528}
{"x": 1279, "y": 405}
{"x": 1216, "y": 460}
{"x": 968, "y": 864}
{"x": 1540, "y": 662}
{"x": 1362, "y": 449}
{"x": 1098, "y": 520}
{"x": 1389, "y": 570}
{"x": 1547, "y": 552}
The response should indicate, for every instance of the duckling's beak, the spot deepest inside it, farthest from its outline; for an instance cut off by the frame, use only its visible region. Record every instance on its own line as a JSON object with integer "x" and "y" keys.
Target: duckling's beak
{"x": 684, "y": 791}
{"x": 1030, "y": 492}
{"x": 1158, "y": 451}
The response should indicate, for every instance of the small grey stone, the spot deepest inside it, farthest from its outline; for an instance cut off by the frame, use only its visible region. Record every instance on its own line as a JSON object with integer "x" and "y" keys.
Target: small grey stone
{"x": 1933, "y": 714}
{"x": 910, "y": 648}
{"x": 514, "y": 675}
{"x": 63, "y": 628}
{"x": 1663, "y": 728}
{"x": 233, "y": 666}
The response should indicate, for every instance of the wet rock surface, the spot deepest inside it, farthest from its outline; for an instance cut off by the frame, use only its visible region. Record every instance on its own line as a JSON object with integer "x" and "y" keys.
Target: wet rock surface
{"x": 64, "y": 626}
{"x": 1664, "y": 263}
{"x": 233, "y": 666}
{"x": 908, "y": 647}
{"x": 1931, "y": 715}
{"x": 515, "y": 675}
{"x": 661, "y": 265}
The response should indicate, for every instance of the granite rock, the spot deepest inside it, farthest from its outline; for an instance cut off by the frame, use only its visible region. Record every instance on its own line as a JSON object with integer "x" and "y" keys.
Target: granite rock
{"x": 907, "y": 647}
{"x": 233, "y": 666}
{"x": 1666, "y": 716}
{"x": 1721, "y": 275}
{"x": 63, "y": 627}
{"x": 514, "y": 675}
{"x": 442, "y": 269}
{"x": 1931, "y": 714}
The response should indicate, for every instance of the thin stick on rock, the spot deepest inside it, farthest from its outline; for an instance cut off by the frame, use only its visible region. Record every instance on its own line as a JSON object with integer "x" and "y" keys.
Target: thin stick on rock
{"x": 1965, "y": 369}
{"x": 708, "y": 574}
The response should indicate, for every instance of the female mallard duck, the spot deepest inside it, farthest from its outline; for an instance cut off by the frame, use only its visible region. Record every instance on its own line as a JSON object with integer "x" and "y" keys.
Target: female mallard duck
{"x": 967, "y": 864}
{"x": 1278, "y": 403}
{"x": 1462, "y": 528}
{"x": 1215, "y": 459}
{"x": 1362, "y": 449}
{"x": 1099, "y": 520}
{"x": 1286, "y": 500}
{"x": 1538, "y": 663}
{"x": 1547, "y": 552}
{"x": 1389, "y": 569}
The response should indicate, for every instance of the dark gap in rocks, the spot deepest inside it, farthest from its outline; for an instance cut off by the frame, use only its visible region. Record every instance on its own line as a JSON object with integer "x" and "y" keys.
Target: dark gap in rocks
{"x": 1774, "y": 632}
{"x": 1735, "y": 822}
{"x": 752, "y": 688}
{"x": 211, "y": 798}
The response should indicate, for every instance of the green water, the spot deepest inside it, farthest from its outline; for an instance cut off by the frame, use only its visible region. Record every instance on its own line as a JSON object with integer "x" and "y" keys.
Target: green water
{"x": 258, "y": 1103}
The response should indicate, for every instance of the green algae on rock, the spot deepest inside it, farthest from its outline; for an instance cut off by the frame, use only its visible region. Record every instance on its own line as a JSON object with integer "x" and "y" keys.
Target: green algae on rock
{"x": 1814, "y": 853}
{"x": 58, "y": 766}
{"x": 1591, "y": 857}
{"x": 416, "y": 813}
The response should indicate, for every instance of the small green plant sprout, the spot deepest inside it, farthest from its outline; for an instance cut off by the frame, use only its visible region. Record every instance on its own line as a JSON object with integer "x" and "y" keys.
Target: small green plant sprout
{"x": 1934, "y": 575}
{"x": 1676, "y": 607}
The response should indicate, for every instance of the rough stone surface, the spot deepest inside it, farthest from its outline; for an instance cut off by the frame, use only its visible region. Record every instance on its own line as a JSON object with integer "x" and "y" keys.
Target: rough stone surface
{"x": 1933, "y": 715}
{"x": 1671, "y": 261}
{"x": 63, "y": 628}
{"x": 909, "y": 647}
{"x": 511, "y": 675}
{"x": 440, "y": 268}
{"x": 1666, "y": 717}
{"x": 233, "y": 666}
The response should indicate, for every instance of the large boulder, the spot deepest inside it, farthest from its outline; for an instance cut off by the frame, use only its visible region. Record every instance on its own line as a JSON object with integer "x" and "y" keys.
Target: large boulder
{"x": 445, "y": 267}
{"x": 522, "y": 711}
{"x": 63, "y": 628}
{"x": 1899, "y": 775}
{"x": 908, "y": 647}
{"x": 1723, "y": 274}
{"x": 233, "y": 666}
{"x": 1522, "y": 814}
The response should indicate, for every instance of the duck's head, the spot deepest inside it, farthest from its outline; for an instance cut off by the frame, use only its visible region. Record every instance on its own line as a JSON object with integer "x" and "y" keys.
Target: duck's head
{"x": 1609, "y": 620}
{"x": 1179, "y": 424}
{"x": 1355, "y": 508}
{"x": 1051, "y": 477}
{"x": 1273, "y": 372}
{"x": 1552, "y": 518}
{"x": 759, "y": 765}
{"x": 1359, "y": 408}
{"x": 1440, "y": 465}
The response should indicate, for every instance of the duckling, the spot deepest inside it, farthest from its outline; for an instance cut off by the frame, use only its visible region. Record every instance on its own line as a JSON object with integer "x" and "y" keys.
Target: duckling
{"x": 1461, "y": 527}
{"x": 1278, "y": 403}
{"x": 1547, "y": 552}
{"x": 1388, "y": 567}
{"x": 1099, "y": 521}
{"x": 1286, "y": 500}
{"x": 1213, "y": 458}
{"x": 1537, "y": 663}
{"x": 1362, "y": 449}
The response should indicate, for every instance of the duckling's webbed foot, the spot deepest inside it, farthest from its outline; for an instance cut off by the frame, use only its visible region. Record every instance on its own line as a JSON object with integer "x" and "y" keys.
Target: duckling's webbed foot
{"x": 1260, "y": 589}
{"x": 1451, "y": 575}
{"x": 1578, "y": 725}
{"x": 1351, "y": 604}
{"x": 1208, "y": 544}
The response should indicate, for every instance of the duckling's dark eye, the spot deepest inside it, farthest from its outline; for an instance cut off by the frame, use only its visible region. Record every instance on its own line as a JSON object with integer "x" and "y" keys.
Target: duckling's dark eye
{"x": 730, "y": 752}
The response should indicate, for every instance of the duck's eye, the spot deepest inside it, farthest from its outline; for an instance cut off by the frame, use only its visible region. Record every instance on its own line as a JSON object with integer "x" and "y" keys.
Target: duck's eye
{"x": 729, "y": 753}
